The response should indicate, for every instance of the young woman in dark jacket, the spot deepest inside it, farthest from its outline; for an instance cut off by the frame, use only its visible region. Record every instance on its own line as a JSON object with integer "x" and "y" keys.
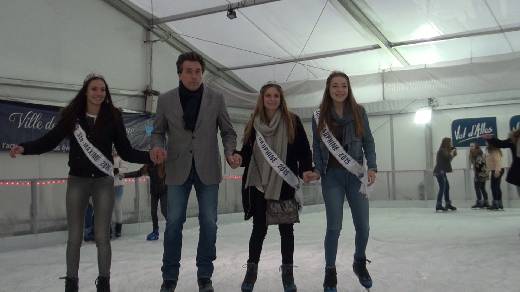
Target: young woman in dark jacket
{"x": 445, "y": 155}
{"x": 92, "y": 118}
{"x": 284, "y": 133}
{"x": 513, "y": 143}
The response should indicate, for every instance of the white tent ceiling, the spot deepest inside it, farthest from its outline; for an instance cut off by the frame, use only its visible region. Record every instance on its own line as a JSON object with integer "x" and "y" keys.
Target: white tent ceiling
{"x": 297, "y": 40}
{"x": 288, "y": 29}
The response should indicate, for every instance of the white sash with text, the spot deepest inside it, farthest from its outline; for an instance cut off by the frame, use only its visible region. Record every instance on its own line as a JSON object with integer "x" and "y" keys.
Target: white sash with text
{"x": 280, "y": 168}
{"x": 93, "y": 154}
{"x": 349, "y": 163}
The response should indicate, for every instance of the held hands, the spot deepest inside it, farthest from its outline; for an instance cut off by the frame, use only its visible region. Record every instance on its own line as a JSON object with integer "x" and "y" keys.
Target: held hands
{"x": 16, "y": 150}
{"x": 371, "y": 177}
{"x": 309, "y": 176}
{"x": 157, "y": 155}
{"x": 234, "y": 160}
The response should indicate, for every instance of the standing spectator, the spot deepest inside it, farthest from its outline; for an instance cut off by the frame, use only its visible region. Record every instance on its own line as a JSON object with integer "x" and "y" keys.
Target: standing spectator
{"x": 445, "y": 155}
{"x": 494, "y": 164}
{"x": 476, "y": 157}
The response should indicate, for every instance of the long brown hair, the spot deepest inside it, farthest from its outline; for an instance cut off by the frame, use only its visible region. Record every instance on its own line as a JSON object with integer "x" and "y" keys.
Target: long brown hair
{"x": 260, "y": 111}
{"x": 78, "y": 107}
{"x": 445, "y": 144}
{"x": 327, "y": 105}
{"x": 475, "y": 152}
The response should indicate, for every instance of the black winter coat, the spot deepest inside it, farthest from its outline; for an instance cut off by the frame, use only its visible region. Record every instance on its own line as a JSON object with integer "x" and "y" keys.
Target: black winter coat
{"x": 299, "y": 160}
{"x": 113, "y": 133}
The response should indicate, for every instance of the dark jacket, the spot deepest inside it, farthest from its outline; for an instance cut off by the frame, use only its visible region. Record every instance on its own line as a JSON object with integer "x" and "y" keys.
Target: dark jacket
{"x": 513, "y": 175}
{"x": 299, "y": 160}
{"x": 479, "y": 166}
{"x": 443, "y": 161}
{"x": 157, "y": 183}
{"x": 113, "y": 133}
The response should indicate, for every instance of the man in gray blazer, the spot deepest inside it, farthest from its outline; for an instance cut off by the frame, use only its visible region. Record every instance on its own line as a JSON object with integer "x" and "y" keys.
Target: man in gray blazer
{"x": 190, "y": 116}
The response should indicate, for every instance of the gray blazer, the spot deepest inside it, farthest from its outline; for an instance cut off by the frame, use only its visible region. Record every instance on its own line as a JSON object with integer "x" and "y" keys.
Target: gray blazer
{"x": 200, "y": 145}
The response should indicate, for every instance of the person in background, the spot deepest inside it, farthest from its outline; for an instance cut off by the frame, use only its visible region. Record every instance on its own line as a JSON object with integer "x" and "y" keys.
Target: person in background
{"x": 158, "y": 192}
{"x": 445, "y": 155}
{"x": 476, "y": 157}
{"x": 119, "y": 190}
{"x": 513, "y": 143}
{"x": 88, "y": 229}
{"x": 494, "y": 164}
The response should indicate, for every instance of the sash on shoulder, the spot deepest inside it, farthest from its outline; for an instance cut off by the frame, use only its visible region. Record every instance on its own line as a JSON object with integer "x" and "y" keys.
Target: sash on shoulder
{"x": 280, "y": 168}
{"x": 349, "y": 163}
{"x": 93, "y": 154}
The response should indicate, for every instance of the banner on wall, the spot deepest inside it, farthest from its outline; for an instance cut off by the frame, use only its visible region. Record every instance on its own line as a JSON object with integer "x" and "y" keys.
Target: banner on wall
{"x": 514, "y": 123}
{"x": 467, "y": 131}
{"x": 21, "y": 122}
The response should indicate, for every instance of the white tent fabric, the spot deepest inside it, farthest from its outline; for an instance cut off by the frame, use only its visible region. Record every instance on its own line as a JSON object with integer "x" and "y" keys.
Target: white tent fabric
{"x": 288, "y": 29}
{"x": 482, "y": 80}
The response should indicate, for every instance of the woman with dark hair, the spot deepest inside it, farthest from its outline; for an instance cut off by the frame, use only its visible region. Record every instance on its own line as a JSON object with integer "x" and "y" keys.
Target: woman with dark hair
{"x": 273, "y": 126}
{"x": 445, "y": 155}
{"x": 513, "y": 143}
{"x": 93, "y": 126}
{"x": 494, "y": 164}
{"x": 476, "y": 157}
{"x": 341, "y": 137}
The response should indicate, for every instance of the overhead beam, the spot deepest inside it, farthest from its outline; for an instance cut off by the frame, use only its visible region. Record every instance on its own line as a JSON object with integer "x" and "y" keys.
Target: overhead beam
{"x": 166, "y": 34}
{"x": 60, "y": 86}
{"x": 367, "y": 24}
{"x": 307, "y": 57}
{"x": 466, "y": 34}
{"x": 473, "y": 33}
{"x": 212, "y": 10}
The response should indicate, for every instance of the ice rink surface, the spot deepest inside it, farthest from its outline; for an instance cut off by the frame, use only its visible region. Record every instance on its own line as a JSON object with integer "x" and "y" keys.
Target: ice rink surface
{"x": 412, "y": 249}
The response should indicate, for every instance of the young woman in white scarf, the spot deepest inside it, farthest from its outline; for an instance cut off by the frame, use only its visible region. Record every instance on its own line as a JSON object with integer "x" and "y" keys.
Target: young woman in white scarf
{"x": 284, "y": 133}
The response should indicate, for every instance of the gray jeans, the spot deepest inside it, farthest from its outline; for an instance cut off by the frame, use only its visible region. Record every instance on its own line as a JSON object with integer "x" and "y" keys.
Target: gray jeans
{"x": 79, "y": 189}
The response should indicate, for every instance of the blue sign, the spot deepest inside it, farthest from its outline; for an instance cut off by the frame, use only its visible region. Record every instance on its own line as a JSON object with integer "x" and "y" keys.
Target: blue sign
{"x": 21, "y": 122}
{"x": 467, "y": 131}
{"x": 514, "y": 123}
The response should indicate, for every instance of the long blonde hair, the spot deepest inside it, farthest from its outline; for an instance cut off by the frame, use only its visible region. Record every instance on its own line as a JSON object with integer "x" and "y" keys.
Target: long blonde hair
{"x": 327, "y": 105}
{"x": 260, "y": 111}
{"x": 492, "y": 148}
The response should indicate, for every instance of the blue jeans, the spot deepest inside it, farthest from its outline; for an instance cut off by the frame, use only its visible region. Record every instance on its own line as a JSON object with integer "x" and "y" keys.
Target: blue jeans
{"x": 207, "y": 196}
{"x": 118, "y": 204}
{"x": 496, "y": 191}
{"x": 337, "y": 184}
{"x": 444, "y": 189}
